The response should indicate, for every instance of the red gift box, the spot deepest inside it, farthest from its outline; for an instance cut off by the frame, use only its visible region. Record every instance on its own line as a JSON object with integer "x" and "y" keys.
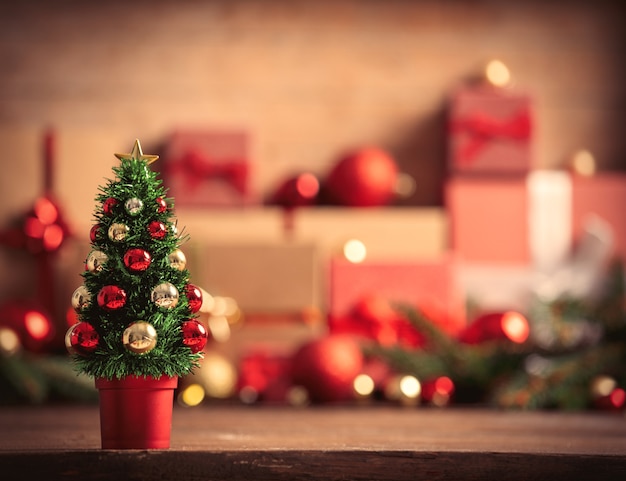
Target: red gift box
{"x": 603, "y": 195}
{"x": 430, "y": 285}
{"x": 208, "y": 168}
{"x": 489, "y": 219}
{"x": 490, "y": 131}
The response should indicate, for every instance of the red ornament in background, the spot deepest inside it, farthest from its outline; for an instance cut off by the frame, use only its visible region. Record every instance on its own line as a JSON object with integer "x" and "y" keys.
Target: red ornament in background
{"x": 326, "y": 368}
{"x": 32, "y": 325}
{"x": 81, "y": 339}
{"x": 41, "y": 232}
{"x": 364, "y": 178}
{"x": 511, "y": 326}
{"x": 438, "y": 391}
{"x": 264, "y": 377}
{"x": 137, "y": 260}
{"x": 194, "y": 296}
{"x": 111, "y": 298}
{"x": 194, "y": 335}
{"x": 373, "y": 317}
{"x": 161, "y": 205}
{"x": 376, "y": 313}
{"x": 298, "y": 191}
{"x": 157, "y": 229}
{"x": 109, "y": 205}
{"x": 44, "y": 227}
{"x": 614, "y": 401}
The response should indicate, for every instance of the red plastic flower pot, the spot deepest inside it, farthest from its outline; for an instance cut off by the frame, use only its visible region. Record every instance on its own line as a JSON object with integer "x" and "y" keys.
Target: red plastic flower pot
{"x": 136, "y": 412}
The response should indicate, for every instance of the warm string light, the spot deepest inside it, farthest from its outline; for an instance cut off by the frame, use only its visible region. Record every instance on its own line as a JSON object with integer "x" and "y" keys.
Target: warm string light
{"x": 363, "y": 386}
{"x": 354, "y": 251}
{"x": 9, "y": 341}
{"x": 405, "y": 389}
{"x": 497, "y": 73}
{"x": 582, "y": 162}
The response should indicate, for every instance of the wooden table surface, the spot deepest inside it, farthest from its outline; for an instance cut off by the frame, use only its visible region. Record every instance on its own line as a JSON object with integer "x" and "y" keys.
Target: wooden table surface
{"x": 241, "y": 442}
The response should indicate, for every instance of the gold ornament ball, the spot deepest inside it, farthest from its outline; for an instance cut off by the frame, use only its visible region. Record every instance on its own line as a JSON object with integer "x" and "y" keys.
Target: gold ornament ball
{"x": 118, "y": 232}
{"x": 68, "y": 342}
{"x": 80, "y": 298}
{"x": 96, "y": 261}
{"x": 140, "y": 337}
{"x": 133, "y": 206}
{"x": 178, "y": 260}
{"x": 165, "y": 295}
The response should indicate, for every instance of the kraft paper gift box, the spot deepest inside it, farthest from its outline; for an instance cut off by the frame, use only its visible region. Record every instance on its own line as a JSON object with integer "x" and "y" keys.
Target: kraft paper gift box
{"x": 490, "y": 131}
{"x": 430, "y": 285}
{"x": 209, "y": 168}
{"x": 266, "y": 279}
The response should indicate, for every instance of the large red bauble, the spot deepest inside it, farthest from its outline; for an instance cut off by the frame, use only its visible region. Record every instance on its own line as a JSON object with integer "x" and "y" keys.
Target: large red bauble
{"x": 363, "y": 178}
{"x": 82, "y": 339}
{"x": 194, "y": 335}
{"x": 194, "y": 296}
{"x": 326, "y": 368}
{"x": 111, "y": 298}
{"x": 137, "y": 260}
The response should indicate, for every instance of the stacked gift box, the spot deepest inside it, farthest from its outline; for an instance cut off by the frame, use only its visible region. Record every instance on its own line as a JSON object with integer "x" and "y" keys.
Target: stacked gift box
{"x": 513, "y": 225}
{"x": 507, "y": 222}
{"x": 209, "y": 168}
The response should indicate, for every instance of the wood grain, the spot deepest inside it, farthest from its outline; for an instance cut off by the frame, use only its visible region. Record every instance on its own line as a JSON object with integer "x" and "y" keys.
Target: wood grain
{"x": 323, "y": 443}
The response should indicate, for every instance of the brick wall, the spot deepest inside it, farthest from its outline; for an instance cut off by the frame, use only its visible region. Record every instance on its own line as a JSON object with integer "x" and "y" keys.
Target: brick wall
{"x": 307, "y": 78}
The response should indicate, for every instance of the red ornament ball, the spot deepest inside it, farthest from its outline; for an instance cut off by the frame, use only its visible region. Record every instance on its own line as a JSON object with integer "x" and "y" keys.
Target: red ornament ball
{"x": 81, "y": 339}
{"x": 300, "y": 190}
{"x": 109, "y": 205}
{"x": 194, "y": 335}
{"x": 137, "y": 260}
{"x": 326, "y": 368}
{"x": 194, "y": 296}
{"x": 33, "y": 325}
{"x": 161, "y": 205}
{"x": 94, "y": 232}
{"x": 157, "y": 229}
{"x": 111, "y": 298}
{"x": 364, "y": 178}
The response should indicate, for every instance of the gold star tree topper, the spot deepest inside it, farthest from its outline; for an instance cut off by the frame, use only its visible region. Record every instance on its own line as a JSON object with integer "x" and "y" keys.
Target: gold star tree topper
{"x": 137, "y": 154}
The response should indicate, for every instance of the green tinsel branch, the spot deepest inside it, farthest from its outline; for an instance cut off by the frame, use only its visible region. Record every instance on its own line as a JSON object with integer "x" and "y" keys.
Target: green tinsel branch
{"x": 528, "y": 376}
{"x": 473, "y": 368}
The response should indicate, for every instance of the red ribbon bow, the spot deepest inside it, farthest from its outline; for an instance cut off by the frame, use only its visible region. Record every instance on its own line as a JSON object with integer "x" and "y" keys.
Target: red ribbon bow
{"x": 197, "y": 168}
{"x": 483, "y": 129}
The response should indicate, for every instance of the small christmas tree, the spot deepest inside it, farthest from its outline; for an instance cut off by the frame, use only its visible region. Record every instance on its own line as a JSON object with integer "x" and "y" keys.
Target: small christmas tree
{"x": 136, "y": 304}
{"x": 136, "y": 307}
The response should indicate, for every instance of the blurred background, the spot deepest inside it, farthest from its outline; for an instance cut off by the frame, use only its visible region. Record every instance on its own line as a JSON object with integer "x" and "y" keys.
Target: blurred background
{"x": 241, "y": 98}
